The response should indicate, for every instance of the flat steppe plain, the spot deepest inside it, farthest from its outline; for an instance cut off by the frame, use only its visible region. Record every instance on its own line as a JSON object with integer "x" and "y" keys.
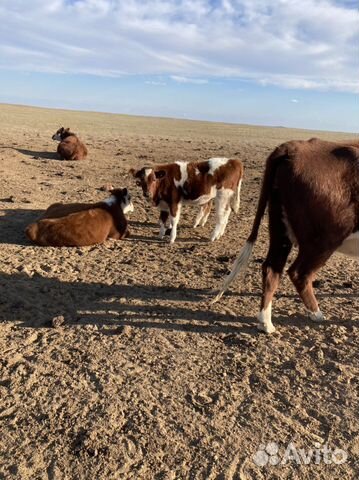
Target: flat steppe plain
{"x": 145, "y": 379}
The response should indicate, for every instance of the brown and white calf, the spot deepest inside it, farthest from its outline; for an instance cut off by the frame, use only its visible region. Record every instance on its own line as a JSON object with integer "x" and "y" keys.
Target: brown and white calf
{"x": 312, "y": 192}
{"x": 80, "y": 224}
{"x": 70, "y": 146}
{"x": 169, "y": 186}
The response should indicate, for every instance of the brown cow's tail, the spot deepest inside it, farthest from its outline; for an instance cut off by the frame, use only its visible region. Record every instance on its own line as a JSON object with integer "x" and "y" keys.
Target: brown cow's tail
{"x": 31, "y": 231}
{"x": 245, "y": 253}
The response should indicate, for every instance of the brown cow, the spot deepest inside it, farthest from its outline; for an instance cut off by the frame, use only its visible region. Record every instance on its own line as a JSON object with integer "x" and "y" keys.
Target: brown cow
{"x": 312, "y": 191}
{"x": 70, "y": 146}
{"x": 76, "y": 224}
{"x": 171, "y": 185}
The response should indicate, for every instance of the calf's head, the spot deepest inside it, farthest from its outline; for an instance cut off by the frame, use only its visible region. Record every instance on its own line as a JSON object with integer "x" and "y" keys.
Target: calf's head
{"x": 60, "y": 134}
{"x": 122, "y": 197}
{"x": 148, "y": 179}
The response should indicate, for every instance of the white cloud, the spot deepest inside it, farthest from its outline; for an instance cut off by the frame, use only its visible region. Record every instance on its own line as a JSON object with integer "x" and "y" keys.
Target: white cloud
{"x": 195, "y": 81}
{"x": 155, "y": 82}
{"x": 295, "y": 100}
{"x": 311, "y": 44}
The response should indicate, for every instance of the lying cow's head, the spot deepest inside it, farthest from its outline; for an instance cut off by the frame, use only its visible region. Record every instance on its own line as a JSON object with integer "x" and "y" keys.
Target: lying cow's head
{"x": 122, "y": 197}
{"x": 60, "y": 134}
{"x": 148, "y": 179}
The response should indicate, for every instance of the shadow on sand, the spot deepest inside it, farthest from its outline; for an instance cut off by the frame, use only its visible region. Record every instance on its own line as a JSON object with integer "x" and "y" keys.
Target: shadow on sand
{"x": 13, "y": 223}
{"x": 35, "y": 301}
{"x": 38, "y": 154}
{"x": 34, "y": 153}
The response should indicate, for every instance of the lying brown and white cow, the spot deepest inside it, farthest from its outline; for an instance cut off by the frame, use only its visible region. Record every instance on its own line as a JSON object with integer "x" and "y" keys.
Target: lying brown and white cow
{"x": 312, "y": 192}
{"x": 70, "y": 146}
{"x": 80, "y": 224}
{"x": 169, "y": 186}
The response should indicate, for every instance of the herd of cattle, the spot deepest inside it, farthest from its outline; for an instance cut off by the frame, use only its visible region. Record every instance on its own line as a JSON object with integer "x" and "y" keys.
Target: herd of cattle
{"x": 311, "y": 189}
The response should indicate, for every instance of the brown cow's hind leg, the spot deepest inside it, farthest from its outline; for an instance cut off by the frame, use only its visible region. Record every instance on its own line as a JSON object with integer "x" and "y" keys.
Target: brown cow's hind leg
{"x": 273, "y": 266}
{"x": 272, "y": 269}
{"x": 302, "y": 273}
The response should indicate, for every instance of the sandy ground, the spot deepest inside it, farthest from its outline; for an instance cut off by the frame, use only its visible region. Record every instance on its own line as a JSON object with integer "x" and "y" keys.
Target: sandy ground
{"x": 146, "y": 380}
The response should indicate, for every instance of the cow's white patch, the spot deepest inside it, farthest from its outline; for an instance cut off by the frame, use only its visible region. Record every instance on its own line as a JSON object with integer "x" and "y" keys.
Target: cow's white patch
{"x": 148, "y": 172}
{"x": 203, "y": 199}
{"x": 215, "y": 163}
{"x": 196, "y": 171}
{"x": 350, "y": 246}
{"x": 184, "y": 174}
{"x": 56, "y": 137}
{"x": 127, "y": 206}
{"x": 110, "y": 201}
{"x": 265, "y": 319}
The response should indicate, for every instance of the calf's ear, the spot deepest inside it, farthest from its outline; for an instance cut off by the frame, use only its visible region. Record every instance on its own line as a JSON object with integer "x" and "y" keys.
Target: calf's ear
{"x": 132, "y": 172}
{"x": 160, "y": 174}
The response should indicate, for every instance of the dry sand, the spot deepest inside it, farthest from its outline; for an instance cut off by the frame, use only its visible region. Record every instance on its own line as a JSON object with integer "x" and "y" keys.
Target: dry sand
{"x": 144, "y": 379}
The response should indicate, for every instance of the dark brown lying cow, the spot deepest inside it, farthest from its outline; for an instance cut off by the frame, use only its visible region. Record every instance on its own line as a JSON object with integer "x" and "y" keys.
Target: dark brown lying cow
{"x": 312, "y": 191}
{"x": 169, "y": 186}
{"x": 76, "y": 224}
{"x": 70, "y": 146}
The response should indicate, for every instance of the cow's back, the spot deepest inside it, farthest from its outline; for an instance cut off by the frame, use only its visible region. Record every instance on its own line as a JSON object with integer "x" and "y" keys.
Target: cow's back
{"x": 57, "y": 210}
{"x": 318, "y": 184}
{"x": 71, "y": 148}
{"x": 328, "y": 168}
{"x": 77, "y": 229}
{"x": 229, "y": 175}
{"x": 203, "y": 176}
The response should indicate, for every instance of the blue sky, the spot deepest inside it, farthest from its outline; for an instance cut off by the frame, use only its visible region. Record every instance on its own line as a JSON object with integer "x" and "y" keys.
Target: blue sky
{"x": 285, "y": 63}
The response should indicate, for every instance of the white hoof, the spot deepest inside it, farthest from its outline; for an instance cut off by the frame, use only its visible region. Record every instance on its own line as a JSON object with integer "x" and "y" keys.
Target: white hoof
{"x": 266, "y": 328}
{"x": 316, "y": 316}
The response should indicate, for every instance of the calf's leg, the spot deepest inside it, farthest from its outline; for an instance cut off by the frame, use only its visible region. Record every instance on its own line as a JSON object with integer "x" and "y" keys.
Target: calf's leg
{"x": 175, "y": 212}
{"x": 208, "y": 208}
{"x": 203, "y": 214}
{"x": 223, "y": 210}
{"x": 200, "y": 215}
{"x": 163, "y": 219}
{"x": 225, "y": 220}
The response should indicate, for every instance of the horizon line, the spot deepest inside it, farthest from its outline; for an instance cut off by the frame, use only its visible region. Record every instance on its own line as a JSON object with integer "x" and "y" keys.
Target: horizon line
{"x": 164, "y": 117}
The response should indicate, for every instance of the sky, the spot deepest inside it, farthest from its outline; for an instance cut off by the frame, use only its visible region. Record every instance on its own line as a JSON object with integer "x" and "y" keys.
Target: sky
{"x": 292, "y": 63}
